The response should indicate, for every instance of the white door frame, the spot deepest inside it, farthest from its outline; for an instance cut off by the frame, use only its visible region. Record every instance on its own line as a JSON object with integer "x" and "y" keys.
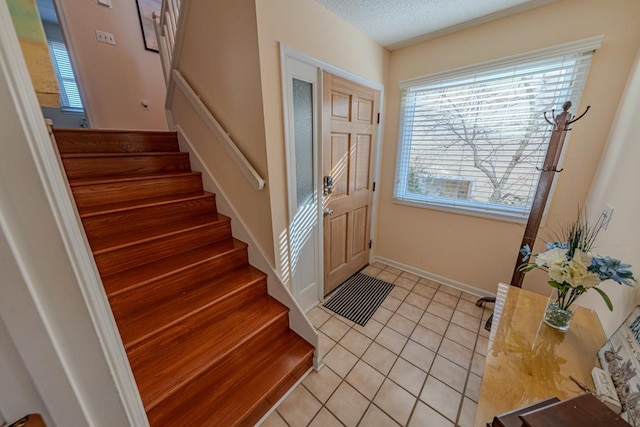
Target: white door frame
{"x": 288, "y": 52}
{"x": 304, "y": 222}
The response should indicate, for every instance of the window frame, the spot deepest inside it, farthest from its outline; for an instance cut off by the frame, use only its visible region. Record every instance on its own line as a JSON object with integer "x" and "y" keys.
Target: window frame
{"x": 65, "y": 107}
{"x": 459, "y": 206}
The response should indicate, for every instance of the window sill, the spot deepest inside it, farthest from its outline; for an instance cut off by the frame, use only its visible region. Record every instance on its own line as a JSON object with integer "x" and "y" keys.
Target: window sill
{"x": 72, "y": 111}
{"x": 462, "y": 211}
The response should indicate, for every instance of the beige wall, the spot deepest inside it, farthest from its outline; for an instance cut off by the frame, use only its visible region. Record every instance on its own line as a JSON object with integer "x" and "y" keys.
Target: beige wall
{"x": 308, "y": 27}
{"x": 114, "y": 79}
{"x": 220, "y": 60}
{"x": 482, "y": 252}
{"x": 614, "y": 185}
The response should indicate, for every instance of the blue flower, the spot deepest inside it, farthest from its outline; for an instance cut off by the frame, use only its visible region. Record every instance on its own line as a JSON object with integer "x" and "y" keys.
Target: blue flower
{"x": 553, "y": 245}
{"x": 611, "y": 268}
{"x": 526, "y": 252}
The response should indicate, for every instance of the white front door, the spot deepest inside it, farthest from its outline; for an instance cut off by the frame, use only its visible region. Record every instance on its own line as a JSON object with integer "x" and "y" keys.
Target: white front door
{"x": 301, "y": 97}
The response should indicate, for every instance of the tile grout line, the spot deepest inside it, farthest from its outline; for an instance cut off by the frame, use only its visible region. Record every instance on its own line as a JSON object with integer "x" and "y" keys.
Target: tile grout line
{"x": 466, "y": 382}
{"x": 431, "y": 367}
{"x": 352, "y": 326}
{"x": 436, "y": 353}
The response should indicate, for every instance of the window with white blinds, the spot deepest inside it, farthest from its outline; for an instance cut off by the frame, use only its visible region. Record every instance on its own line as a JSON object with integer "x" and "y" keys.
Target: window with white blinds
{"x": 470, "y": 139}
{"x": 69, "y": 93}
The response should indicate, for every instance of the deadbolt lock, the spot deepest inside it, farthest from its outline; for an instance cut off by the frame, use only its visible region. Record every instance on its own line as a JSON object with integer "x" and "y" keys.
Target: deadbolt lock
{"x": 328, "y": 185}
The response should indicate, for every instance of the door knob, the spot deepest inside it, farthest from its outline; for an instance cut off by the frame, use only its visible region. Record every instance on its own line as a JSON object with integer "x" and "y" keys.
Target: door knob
{"x": 327, "y": 212}
{"x": 328, "y": 185}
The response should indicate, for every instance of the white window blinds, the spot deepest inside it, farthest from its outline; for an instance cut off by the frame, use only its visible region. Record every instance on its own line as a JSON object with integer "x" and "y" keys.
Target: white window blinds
{"x": 470, "y": 140}
{"x": 69, "y": 94}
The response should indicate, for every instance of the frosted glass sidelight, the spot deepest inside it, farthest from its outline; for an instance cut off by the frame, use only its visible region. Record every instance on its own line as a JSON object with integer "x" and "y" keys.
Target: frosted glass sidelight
{"x": 303, "y": 135}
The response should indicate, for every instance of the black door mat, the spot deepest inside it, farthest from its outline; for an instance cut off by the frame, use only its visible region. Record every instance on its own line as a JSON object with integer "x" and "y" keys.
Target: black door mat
{"x": 359, "y": 297}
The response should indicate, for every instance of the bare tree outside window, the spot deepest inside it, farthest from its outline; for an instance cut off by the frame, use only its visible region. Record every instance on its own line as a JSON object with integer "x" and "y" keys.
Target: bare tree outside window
{"x": 477, "y": 140}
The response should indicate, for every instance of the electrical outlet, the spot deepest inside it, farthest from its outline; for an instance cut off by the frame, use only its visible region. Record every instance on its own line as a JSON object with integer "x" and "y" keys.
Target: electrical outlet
{"x": 606, "y": 216}
{"x": 105, "y": 37}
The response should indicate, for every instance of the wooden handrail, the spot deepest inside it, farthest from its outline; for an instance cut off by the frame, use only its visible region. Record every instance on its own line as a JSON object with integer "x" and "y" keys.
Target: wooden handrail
{"x": 247, "y": 169}
{"x": 165, "y": 25}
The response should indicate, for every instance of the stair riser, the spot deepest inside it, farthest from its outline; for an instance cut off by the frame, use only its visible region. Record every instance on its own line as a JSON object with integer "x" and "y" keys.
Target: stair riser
{"x": 251, "y": 417}
{"x": 97, "y": 226}
{"x": 151, "y": 398}
{"x": 116, "y": 192}
{"x": 275, "y": 395}
{"x": 206, "y": 343}
{"x": 128, "y": 304}
{"x": 215, "y": 385}
{"x": 96, "y": 167}
{"x": 258, "y": 412}
{"x": 114, "y": 142}
{"x": 115, "y": 261}
{"x": 202, "y": 272}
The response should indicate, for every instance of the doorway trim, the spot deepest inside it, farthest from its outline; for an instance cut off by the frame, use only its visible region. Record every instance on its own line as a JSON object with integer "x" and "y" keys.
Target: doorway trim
{"x": 80, "y": 81}
{"x": 303, "y": 221}
{"x": 288, "y": 52}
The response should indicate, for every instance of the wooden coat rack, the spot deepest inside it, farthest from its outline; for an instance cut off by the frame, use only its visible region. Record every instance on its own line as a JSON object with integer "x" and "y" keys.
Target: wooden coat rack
{"x": 560, "y": 124}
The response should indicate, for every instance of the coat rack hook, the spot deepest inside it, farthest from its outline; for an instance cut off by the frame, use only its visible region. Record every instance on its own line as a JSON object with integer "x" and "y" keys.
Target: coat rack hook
{"x": 580, "y": 116}
{"x": 547, "y": 119}
{"x": 553, "y": 168}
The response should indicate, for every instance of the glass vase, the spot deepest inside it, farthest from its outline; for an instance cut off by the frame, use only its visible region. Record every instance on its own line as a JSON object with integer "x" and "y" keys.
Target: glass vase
{"x": 555, "y": 316}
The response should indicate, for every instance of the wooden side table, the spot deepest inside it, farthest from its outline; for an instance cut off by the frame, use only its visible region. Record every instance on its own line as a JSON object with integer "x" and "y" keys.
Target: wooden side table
{"x": 527, "y": 361}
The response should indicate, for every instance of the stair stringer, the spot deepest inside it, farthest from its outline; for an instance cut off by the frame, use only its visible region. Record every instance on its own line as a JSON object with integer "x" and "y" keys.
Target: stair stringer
{"x": 298, "y": 320}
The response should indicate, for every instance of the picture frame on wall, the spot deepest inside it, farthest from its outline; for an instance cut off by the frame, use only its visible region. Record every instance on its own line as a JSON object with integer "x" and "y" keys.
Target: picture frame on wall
{"x": 145, "y": 13}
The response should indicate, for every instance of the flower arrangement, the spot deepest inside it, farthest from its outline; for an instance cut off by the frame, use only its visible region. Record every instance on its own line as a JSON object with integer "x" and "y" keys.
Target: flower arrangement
{"x": 573, "y": 268}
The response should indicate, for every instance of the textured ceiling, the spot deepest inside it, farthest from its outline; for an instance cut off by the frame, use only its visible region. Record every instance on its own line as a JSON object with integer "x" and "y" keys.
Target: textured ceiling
{"x": 398, "y": 23}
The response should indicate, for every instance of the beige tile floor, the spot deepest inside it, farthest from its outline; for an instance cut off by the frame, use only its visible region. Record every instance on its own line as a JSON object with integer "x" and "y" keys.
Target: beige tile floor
{"x": 417, "y": 362}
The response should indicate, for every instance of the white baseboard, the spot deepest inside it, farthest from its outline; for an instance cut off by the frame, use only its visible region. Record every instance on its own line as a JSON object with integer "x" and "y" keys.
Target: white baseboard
{"x": 436, "y": 278}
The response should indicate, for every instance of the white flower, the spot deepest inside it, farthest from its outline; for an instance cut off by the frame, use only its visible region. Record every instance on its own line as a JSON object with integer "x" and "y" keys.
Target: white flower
{"x": 575, "y": 272}
{"x": 553, "y": 257}
{"x": 591, "y": 280}
{"x": 581, "y": 258}
{"x": 558, "y": 273}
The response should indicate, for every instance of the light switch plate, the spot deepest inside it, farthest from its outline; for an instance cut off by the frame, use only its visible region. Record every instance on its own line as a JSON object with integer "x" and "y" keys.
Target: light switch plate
{"x": 105, "y": 37}
{"x": 107, "y": 3}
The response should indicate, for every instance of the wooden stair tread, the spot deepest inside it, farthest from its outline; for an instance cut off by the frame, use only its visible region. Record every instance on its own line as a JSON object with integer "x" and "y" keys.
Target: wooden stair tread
{"x": 140, "y": 203}
{"x": 101, "y": 165}
{"x": 108, "y": 223}
{"x": 150, "y": 272}
{"x": 120, "y": 240}
{"x": 255, "y": 374}
{"x": 61, "y": 130}
{"x": 170, "y": 360}
{"x": 111, "y": 140}
{"x": 129, "y": 178}
{"x": 98, "y": 192}
{"x": 128, "y": 154}
{"x": 129, "y": 256}
{"x": 206, "y": 343}
{"x": 139, "y": 318}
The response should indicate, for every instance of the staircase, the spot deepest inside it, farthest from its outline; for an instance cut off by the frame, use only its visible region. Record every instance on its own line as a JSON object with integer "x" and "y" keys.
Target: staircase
{"x": 206, "y": 343}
